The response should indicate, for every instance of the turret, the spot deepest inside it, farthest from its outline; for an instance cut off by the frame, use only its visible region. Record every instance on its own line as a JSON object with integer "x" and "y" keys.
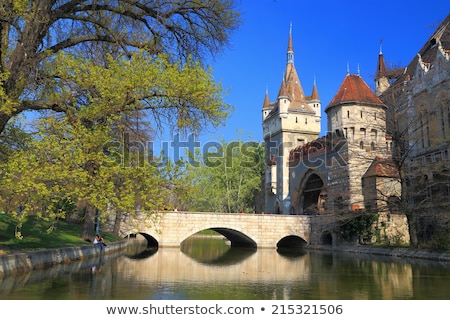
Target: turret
{"x": 381, "y": 78}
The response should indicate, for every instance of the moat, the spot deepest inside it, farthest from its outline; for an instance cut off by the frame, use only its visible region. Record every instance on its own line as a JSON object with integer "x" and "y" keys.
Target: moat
{"x": 207, "y": 268}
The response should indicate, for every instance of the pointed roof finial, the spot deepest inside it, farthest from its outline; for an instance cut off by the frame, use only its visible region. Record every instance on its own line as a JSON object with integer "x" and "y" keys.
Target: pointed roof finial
{"x": 290, "y": 50}
{"x": 358, "y": 69}
{"x": 348, "y": 68}
{"x": 381, "y": 42}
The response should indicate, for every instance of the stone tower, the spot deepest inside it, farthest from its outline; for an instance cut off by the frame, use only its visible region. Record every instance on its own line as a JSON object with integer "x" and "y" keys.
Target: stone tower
{"x": 292, "y": 120}
{"x": 359, "y": 116}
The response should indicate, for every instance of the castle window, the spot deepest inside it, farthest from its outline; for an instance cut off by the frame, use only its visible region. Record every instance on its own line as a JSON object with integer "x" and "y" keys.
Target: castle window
{"x": 361, "y": 145}
{"x": 306, "y": 120}
{"x": 448, "y": 117}
{"x": 373, "y": 134}
{"x": 375, "y": 115}
{"x": 372, "y": 146}
{"x": 362, "y": 133}
{"x": 442, "y": 118}
{"x": 296, "y": 120}
{"x": 348, "y": 114}
{"x": 361, "y": 114}
{"x": 424, "y": 129}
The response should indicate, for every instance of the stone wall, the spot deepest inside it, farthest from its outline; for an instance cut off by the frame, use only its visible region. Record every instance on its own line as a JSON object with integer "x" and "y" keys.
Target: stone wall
{"x": 43, "y": 259}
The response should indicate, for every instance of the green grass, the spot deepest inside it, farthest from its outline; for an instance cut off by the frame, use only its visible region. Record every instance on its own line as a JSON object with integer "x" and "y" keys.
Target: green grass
{"x": 36, "y": 237}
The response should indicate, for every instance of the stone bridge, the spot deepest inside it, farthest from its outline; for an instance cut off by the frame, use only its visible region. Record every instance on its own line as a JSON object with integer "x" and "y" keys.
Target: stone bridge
{"x": 249, "y": 230}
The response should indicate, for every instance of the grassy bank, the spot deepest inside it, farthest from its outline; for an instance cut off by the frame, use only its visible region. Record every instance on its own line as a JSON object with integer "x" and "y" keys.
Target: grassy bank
{"x": 39, "y": 234}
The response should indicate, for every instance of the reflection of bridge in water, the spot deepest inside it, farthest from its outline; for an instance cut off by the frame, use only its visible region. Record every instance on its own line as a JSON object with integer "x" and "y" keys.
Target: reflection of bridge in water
{"x": 269, "y": 267}
{"x": 243, "y": 230}
{"x": 172, "y": 265}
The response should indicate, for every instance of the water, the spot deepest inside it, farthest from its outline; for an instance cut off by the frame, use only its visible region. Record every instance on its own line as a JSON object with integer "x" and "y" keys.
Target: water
{"x": 206, "y": 268}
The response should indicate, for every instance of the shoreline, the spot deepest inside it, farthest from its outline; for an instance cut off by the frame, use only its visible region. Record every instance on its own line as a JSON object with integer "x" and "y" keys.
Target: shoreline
{"x": 22, "y": 262}
{"x": 408, "y": 253}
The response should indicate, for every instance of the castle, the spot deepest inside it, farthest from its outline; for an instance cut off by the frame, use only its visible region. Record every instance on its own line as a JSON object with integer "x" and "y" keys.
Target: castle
{"x": 355, "y": 167}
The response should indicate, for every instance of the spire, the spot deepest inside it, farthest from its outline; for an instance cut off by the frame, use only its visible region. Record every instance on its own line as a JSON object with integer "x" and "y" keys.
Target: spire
{"x": 266, "y": 102}
{"x": 293, "y": 88}
{"x": 290, "y": 50}
{"x": 315, "y": 92}
{"x": 381, "y": 66}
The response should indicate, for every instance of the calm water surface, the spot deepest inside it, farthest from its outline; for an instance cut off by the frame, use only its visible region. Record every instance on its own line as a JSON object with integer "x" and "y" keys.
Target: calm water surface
{"x": 206, "y": 268}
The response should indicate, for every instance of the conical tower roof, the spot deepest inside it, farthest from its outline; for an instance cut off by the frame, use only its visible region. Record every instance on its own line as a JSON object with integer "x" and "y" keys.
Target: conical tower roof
{"x": 315, "y": 93}
{"x": 266, "y": 103}
{"x": 354, "y": 90}
{"x": 381, "y": 66}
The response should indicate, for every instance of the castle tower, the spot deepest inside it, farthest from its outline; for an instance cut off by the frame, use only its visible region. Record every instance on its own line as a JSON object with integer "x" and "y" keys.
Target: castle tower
{"x": 359, "y": 116}
{"x": 292, "y": 120}
{"x": 381, "y": 77}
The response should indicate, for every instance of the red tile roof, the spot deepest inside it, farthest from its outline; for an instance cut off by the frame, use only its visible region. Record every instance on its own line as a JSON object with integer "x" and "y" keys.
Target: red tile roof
{"x": 354, "y": 90}
{"x": 382, "y": 167}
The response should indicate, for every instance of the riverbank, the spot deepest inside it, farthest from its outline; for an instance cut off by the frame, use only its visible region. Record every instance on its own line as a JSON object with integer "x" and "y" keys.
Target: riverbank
{"x": 22, "y": 262}
{"x": 401, "y": 253}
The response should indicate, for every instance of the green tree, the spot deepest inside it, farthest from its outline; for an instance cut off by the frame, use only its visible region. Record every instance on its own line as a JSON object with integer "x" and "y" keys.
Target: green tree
{"x": 226, "y": 177}
{"x": 14, "y": 137}
{"x": 34, "y": 33}
{"x": 67, "y": 162}
{"x": 91, "y": 60}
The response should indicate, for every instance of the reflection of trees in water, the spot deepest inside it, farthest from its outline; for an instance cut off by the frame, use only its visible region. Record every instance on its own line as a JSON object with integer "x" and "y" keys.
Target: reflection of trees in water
{"x": 146, "y": 253}
{"x": 213, "y": 250}
{"x": 139, "y": 249}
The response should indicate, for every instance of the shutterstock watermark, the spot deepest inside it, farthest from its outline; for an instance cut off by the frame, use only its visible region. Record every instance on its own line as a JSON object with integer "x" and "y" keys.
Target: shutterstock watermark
{"x": 187, "y": 151}
{"x": 190, "y": 151}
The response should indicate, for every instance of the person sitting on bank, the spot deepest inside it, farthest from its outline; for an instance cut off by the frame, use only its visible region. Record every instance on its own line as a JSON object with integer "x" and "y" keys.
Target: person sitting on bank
{"x": 100, "y": 242}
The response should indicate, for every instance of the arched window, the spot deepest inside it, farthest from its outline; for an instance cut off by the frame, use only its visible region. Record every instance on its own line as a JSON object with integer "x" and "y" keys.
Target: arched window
{"x": 363, "y": 133}
{"x": 373, "y": 134}
{"x": 442, "y": 121}
{"x": 424, "y": 130}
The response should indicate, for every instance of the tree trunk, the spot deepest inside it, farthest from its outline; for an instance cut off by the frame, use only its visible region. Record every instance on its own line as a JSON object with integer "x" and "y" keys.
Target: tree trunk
{"x": 89, "y": 222}
{"x": 91, "y": 211}
{"x": 412, "y": 226}
{"x": 117, "y": 222}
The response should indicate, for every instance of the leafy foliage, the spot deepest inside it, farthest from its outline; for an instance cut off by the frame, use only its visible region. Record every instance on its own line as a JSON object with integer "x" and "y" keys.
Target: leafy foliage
{"x": 94, "y": 63}
{"x": 226, "y": 179}
{"x": 360, "y": 226}
{"x": 65, "y": 165}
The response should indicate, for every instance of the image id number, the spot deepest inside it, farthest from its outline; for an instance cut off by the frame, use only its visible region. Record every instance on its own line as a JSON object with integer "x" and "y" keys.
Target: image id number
{"x": 307, "y": 309}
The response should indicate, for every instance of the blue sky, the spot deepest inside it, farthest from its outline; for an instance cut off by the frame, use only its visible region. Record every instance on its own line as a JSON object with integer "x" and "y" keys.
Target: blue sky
{"x": 328, "y": 36}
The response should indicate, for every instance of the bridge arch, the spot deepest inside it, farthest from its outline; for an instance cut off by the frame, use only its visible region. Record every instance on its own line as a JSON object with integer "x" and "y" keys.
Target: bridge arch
{"x": 291, "y": 241}
{"x": 237, "y": 239}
